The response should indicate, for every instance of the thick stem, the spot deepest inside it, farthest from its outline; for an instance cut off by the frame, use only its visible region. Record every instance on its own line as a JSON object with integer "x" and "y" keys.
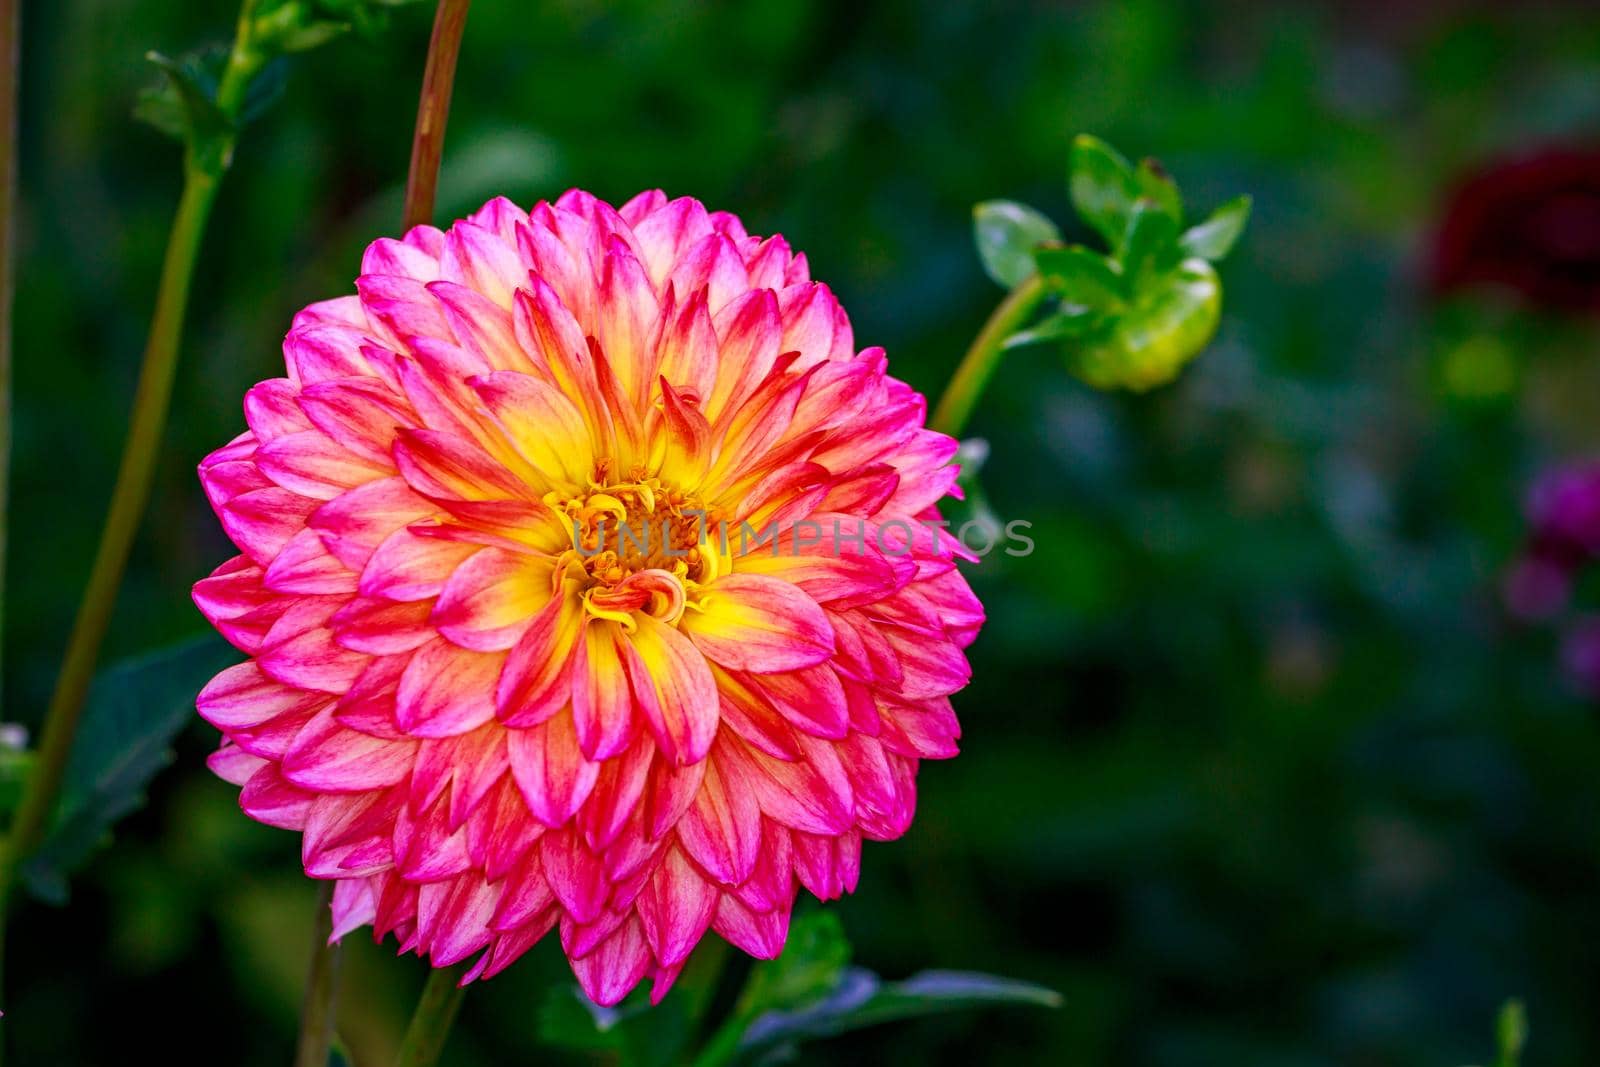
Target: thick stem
{"x": 430, "y": 1024}
{"x": 134, "y": 476}
{"x": 433, "y": 109}
{"x": 317, "y": 1006}
{"x": 10, "y": 55}
{"x": 122, "y": 521}
{"x": 977, "y": 366}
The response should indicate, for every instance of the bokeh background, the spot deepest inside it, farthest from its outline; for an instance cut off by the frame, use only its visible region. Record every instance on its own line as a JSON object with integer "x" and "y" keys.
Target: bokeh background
{"x": 1258, "y": 769}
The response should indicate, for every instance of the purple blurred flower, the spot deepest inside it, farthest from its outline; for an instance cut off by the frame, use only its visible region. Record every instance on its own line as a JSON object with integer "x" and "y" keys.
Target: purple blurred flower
{"x": 1536, "y": 589}
{"x": 1563, "y": 538}
{"x": 1530, "y": 224}
{"x": 1580, "y": 656}
{"x": 1564, "y": 513}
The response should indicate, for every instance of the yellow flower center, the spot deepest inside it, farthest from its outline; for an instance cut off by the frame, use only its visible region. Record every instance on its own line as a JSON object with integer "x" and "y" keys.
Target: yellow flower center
{"x": 620, "y": 528}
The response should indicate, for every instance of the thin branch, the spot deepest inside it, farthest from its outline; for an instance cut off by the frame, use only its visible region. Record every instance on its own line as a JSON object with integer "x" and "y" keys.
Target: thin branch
{"x": 433, "y": 110}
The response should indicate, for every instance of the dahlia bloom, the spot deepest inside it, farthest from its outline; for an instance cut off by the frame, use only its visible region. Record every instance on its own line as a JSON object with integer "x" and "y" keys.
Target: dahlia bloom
{"x": 589, "y": 582}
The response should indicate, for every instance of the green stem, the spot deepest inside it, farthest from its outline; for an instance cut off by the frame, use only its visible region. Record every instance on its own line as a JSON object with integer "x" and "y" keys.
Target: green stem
{"x": 977, "y": 366}
{"x": 433, "y": 109}
{"x": 430, "y": 1024}
{"x": 127, "y": 506}
{"x": 201, "y": 176}
{"x": 317, "y": 1007}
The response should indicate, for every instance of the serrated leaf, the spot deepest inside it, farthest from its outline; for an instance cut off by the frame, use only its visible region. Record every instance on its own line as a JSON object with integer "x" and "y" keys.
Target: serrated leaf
{"x": 133, "y": 711}
{"x": 860, "y": 999}
{"x": 1214, "y": 238}
{"x": 1102, "y": 185}
{"x": 1081, "y": 276}
{"x": 1150, "y": 244}
{"x": 1006, "y": 234}
{"x": 1155, "y": 183}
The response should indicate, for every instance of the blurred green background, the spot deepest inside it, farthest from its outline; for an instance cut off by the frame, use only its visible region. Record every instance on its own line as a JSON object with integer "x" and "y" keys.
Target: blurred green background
{"x": 1255, "y": 771}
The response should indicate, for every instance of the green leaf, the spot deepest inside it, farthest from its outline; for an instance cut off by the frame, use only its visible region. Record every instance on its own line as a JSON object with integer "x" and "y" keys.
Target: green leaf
{"x": 133, "y": 711}
{"x": 1103, "y": 186}
{"x": 1214, "y": 238}
{"x": 1080, "y": 276}
{"x": 264, "y": 91}
{"x": 184, "y": 104}
{"x": 1150, "y": 244}
{"x": 1007, "y": 233}
{"x": 1157, "y": 184}
{"x": 860, "y": 999}
{"x": 1070, "y": 322}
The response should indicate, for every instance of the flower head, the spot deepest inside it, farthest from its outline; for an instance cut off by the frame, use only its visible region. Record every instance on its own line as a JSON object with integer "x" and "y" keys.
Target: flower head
{"x": 590, "y": 581}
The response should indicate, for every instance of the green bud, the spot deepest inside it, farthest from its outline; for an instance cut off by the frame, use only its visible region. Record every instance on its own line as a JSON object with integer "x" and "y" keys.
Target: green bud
{"x": 1169, "y": 322}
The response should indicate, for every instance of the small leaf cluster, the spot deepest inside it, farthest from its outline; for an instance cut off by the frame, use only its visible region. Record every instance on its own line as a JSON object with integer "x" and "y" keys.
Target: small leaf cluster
{"x": 205, "y": 95}
{"x": 1134, "y": 315}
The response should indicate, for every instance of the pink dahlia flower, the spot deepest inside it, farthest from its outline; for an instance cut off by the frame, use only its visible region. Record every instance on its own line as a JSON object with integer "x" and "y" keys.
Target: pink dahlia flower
{"x": 589, "y": 581}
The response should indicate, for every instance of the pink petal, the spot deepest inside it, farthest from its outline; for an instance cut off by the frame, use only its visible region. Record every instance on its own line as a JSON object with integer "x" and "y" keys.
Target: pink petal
{"x": 242, "y": 696}
{"x": 754, "y": 623}
{"x": 327, "y": 757}
{"x": 722, "y": 828}
{"x": 446, "y": 690}
{"x": 575, "y": 874}
{"x": 609, "y": 972}
{"x": 676, "y": 692}
{"x": 675, "y": 908}
{"x": 551, "y": 770}
{"x": 762, "y": 934}
{"x": 605, "y": 671}
{"x": 489, "y": 601}
{"x": 535, "y": 682}
{"x": 354, "y": 906}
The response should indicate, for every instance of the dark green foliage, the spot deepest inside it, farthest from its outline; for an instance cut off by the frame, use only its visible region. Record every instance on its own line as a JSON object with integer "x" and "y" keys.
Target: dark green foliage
{"x": 134, "y": 710}
{"x": 1255, "y": 771}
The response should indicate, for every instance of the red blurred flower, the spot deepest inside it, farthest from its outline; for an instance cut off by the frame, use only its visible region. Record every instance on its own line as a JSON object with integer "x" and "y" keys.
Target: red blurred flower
{"x": 1530, "y": 224}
